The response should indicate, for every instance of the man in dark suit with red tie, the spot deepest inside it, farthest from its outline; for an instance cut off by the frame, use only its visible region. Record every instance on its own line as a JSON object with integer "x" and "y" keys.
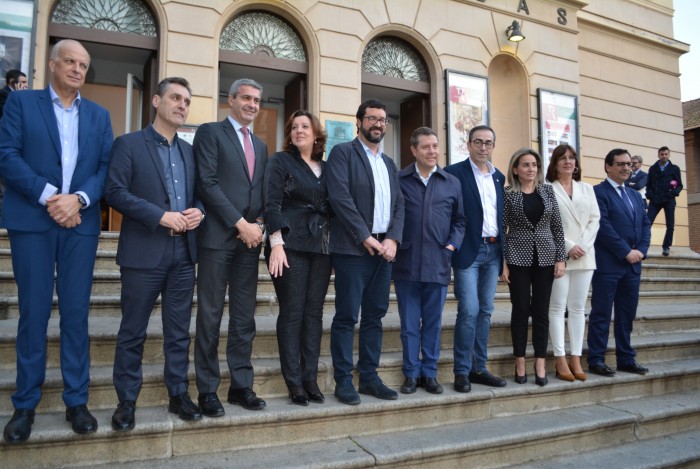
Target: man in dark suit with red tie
{"x": 620, "y": 246}
{"x": 151, "y": 182}
{"x": 230, "y": 163}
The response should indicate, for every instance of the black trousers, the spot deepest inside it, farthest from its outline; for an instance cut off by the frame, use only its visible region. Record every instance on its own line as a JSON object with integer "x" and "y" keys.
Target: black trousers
{"x": 530, "y": 289}
{"x": 174, "y": 280}
{"x": 301, "y": 292}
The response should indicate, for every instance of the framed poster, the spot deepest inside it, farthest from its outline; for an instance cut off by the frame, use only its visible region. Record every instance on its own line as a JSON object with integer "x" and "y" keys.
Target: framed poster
{"x": 467, "y": 106}
{"x": 558, "y": 116}
{"x": 16, "y": 19}
{"x": 338, "y": 132}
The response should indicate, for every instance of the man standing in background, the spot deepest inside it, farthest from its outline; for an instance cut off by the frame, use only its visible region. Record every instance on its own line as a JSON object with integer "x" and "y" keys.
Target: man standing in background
{"x": 663, "y": 186}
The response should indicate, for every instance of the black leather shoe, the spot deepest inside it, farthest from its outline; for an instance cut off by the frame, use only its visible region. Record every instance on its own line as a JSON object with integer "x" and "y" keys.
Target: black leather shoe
{"x": 19, "y": 427}
{"x": 124, "y": 418}
{"x": 601, "y": 369}
{"x": 633, "y": 367}
{"x": 298, "y": 395}
{"x": 314, "y": 393}
{"x": 81, "y": 419}
{"x": 487, "y": 379}
{"x": 519, "y": 379}
{"x": 211, "y": 405}
{"x": 378, "y": 389}
{"x": 345, "y": 393}
{"x": 431, "y": 385}
{"x": 183, "y": 406}
{"x": 462, "y": 383}
{"x": 409, "y": 386}
{"x": 246, "y": 398}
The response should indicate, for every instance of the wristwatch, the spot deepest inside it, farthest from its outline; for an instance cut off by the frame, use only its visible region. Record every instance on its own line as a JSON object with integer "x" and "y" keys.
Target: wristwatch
{"x": 82, "y": 200}
{"x": 261, "y": 225}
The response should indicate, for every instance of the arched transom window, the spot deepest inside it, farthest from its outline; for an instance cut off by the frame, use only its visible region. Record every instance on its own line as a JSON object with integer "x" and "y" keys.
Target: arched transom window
{"x": 125, "y": 16}
{"x": 262, "y": 33}
{"x": 393, "y": 57}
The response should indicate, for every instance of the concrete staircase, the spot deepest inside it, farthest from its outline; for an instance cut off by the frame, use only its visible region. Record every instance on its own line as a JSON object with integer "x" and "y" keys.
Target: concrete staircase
{"x": 625, "y": 421}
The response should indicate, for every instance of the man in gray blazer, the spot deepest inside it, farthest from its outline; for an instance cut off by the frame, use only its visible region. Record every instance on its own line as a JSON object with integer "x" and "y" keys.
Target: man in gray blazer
{"x": 365, "y": 233}
{"x": 230, "y": 165}
{"x": 151, "y": 182}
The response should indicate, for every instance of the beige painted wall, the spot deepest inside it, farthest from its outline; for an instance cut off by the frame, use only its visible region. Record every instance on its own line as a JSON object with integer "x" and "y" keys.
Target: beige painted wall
{"x": 619, "y": 56}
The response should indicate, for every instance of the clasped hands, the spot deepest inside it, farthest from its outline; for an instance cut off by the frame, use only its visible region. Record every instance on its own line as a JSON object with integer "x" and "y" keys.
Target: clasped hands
{"x": 64, "y": 209}
{"x": 386, "y": 249}
{"x": 182, "y": 221}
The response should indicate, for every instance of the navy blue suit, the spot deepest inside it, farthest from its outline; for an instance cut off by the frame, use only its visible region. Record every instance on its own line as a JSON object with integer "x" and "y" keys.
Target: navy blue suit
{"x": 616, "y": 281}
{"x": 152, "y": 262}
{"x": 434, "y": 218}
{"x": 361, "y": 280}
{"x": 30, "y": 157}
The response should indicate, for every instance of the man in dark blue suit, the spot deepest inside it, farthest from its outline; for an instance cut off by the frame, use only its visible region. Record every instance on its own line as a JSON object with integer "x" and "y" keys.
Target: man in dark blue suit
{"x": 365, "y": 233}
{"x": 151, "y": 182}
{"x": 433, "y": 231}
{"x": 479, "y": 261}
{"x": 54, "y": 155}
{"x": 621, "y": 245}
{"x": 638, "y": 178}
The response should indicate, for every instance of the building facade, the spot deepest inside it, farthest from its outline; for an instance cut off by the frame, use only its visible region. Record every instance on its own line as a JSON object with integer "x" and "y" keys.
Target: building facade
{"x": 600, "y": 74}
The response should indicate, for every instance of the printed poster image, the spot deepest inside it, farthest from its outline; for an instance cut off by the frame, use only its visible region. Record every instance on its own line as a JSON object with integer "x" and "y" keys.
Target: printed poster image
{"x": 558, "y": 122}
{"x": 467, "y": 108}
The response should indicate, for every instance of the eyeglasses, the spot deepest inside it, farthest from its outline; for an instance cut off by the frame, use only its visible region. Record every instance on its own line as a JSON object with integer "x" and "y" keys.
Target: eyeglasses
{"x": 622, "y": 164}
{"x": 480, "y": 143}
{"x": 376, "y": 120}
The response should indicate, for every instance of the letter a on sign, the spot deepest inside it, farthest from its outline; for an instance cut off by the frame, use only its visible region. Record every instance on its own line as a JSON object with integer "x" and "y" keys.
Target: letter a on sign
{"x": 523, "y": 6}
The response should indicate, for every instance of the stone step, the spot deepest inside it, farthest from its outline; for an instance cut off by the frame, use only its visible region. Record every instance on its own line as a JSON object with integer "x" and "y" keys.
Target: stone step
{"x": 109, "y": 305}
{"x": 676, "y": 450}
{"x": 485, "y": 428}
{"x": 269, "y": 382}
{"x": 103, "y": 333}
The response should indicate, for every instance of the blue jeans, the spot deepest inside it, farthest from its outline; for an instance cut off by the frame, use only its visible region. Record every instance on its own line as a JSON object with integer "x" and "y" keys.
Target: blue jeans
{"x": 361, "y": 282}
{"x": 475, "y": 289}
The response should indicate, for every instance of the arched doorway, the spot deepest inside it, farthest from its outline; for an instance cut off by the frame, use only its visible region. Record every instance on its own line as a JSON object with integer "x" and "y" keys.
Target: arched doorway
{"x": 122, "y": 39}
{"x": 510, "y": 115}
{"x": 395, "y": 73}
{"x": 265, "y": 47}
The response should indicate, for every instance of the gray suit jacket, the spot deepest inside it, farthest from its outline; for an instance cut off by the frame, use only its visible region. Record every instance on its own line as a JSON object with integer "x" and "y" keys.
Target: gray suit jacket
{"x": 136, "y": 187}
{"x": 223, "y": 183}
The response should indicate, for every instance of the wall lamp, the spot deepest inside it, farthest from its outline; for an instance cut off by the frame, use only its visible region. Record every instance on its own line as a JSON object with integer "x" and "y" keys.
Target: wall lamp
{"x": 514, "y": 33}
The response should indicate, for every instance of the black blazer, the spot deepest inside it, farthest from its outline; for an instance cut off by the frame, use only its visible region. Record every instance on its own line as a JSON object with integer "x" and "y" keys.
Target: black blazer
{"x": 136, "y": 187}
{"x": 351, "y": 194}
{"x": 638, "y": 181}
{"x": 522, "y": 236}
{"x": 296, "y": 202}
{"x": 223, "y": 184}
{"x": 661, "y": 186}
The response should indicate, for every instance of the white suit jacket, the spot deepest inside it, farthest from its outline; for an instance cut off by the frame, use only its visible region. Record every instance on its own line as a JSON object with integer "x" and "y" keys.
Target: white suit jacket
{"x": 580, "y": 218}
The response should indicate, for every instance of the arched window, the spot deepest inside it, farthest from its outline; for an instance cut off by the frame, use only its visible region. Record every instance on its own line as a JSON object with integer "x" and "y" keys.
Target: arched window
{"x": 393, "y": 57}
{"x": 262, "y": 33}
{"x": 125, "y": 16}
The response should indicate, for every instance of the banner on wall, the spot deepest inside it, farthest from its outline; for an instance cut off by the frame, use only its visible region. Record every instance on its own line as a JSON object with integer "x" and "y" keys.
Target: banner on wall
{"x": 558, "y": 119}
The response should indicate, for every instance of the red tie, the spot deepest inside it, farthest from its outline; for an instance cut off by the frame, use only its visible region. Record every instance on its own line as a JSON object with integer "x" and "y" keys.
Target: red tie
{"x": 249, "y": 153}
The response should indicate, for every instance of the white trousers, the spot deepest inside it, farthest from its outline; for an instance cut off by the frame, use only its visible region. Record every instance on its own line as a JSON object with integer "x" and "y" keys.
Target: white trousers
{"x": 569, "y": 291}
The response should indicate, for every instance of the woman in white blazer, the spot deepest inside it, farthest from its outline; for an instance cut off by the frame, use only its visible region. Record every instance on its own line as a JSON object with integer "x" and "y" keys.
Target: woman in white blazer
{"x": 580, "y": 218}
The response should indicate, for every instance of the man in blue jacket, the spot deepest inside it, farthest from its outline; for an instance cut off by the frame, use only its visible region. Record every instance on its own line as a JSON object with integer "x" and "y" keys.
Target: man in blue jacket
{"x": 433, "y": 229}
{"x": 479, "y": 262}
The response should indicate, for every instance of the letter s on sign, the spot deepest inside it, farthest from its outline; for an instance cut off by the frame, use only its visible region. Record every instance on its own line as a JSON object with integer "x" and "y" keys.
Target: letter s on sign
{"x": 561, "y": 12}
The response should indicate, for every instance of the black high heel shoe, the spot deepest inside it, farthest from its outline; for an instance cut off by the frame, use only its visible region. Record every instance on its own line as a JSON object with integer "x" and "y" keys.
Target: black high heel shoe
{"x": 519, "y": 379}
{"x": 298, "y": 395}
{"x": 314, "y": 393}
{"x": 540, "y": 381}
